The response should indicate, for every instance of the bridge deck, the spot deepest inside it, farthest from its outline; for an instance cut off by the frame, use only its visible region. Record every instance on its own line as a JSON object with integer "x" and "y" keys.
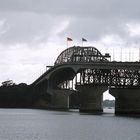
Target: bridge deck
{"x": 95, "y": 65}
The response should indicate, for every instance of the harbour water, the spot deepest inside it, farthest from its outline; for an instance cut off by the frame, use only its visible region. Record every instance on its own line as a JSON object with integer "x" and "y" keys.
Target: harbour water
{"x": 34, "y": 124}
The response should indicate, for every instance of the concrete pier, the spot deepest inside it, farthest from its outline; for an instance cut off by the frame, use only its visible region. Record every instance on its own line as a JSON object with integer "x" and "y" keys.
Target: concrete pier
{"x": 91, "y": 98}
{"x": 127, "y": 100}
{"x": 60, "y": 99}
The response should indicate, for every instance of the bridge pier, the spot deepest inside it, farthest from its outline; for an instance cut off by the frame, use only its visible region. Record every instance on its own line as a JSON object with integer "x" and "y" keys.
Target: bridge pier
{"x": 60, "y": 99}
{"x": 91, "y": 98}
{"x": 127, "y": 100}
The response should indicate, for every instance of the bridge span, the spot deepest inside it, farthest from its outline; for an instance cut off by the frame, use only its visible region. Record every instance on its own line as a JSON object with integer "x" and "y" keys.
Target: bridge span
{"x": 80, "y": 75}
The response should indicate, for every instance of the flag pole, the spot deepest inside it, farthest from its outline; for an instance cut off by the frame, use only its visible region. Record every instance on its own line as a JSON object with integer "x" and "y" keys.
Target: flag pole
{"x": 121, "y": 54}
{"x": 129, "y": 54}
{"x": 83, "y": 40}
{"x": 67, "y": 43}
{"x": 68, "y": 39}
{"x": 139, "y": 54}
{"x": 113, "y": 55}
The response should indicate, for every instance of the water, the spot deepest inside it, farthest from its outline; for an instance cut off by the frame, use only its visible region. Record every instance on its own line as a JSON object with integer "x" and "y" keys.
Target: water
{"x": 33, "y": 124}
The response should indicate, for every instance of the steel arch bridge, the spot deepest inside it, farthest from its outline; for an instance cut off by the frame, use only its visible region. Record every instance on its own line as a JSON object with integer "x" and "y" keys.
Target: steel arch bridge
{"x": 92, "y": 67}
{"x": 88, "y": 73}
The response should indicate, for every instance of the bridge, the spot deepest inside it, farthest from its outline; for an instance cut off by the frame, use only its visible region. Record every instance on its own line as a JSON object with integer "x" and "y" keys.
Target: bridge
{"x": 80, "y": 75}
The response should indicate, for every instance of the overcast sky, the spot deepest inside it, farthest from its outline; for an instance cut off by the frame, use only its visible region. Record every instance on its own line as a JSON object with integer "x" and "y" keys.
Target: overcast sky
{"x": 33, "y": 32}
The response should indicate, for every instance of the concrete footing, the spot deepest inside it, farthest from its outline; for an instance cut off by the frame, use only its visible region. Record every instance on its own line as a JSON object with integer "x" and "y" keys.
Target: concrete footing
{"x": 127, "y": 100}
{"x": 91, "y": 98}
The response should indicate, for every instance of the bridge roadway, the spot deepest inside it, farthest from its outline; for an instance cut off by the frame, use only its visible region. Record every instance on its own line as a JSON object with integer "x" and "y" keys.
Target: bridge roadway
{"x": 121, "y": 78}
{"x": 94, "y": 65}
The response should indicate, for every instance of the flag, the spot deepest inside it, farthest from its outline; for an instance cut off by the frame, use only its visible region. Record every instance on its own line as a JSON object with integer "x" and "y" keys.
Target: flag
{"x": 69, "y": 39}
{"x": 83, "y": 39}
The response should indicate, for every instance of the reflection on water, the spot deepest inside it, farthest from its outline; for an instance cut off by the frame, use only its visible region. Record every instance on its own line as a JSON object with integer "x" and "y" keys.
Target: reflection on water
{"x": 31, "y": 124}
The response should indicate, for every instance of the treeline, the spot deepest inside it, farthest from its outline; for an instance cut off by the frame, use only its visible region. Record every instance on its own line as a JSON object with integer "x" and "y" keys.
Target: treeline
{"x": 23, "y": 96}
{"x": 16, "y": 96}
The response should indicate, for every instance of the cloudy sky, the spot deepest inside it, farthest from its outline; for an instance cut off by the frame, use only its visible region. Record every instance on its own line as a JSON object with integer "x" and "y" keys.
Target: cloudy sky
{"x": 33, "y": 32}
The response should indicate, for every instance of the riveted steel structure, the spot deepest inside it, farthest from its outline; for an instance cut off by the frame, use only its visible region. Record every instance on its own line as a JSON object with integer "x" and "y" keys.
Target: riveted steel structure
{"x": 79, "y": 54}
{"x": 118, "y": 78}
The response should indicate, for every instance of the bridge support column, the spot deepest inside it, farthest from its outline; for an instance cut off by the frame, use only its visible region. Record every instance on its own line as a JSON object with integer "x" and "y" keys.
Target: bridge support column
{"x": 127, "y": 100}
{"x": 91, "y": 98}
{"x": 60, "y": 99}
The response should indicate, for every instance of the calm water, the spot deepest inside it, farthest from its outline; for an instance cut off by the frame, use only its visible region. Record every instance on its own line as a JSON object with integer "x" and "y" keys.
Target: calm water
{"x": 31, "y": 124}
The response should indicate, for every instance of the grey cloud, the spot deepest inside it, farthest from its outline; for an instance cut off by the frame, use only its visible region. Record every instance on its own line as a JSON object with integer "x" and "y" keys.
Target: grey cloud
{"x": 93, "y": 28}
{"x": 35, "y": 20}
{"x": 100, "y": 8}
{"x": 30, "y": 19}
{"x": 26, "y": 27}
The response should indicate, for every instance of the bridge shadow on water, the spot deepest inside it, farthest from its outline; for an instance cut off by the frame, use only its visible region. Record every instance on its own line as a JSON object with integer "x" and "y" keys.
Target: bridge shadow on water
{"x": 106, "y": 111}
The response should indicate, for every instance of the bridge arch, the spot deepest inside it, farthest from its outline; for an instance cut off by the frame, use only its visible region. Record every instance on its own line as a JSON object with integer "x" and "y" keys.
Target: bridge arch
{"x": 60, "y": 76}
{"x": 78, "y": 54}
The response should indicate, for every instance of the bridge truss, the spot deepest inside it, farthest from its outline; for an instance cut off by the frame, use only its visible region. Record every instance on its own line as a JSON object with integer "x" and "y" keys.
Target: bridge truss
{"x": 115, "y": 77}
{"x": 120, "y": 78}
